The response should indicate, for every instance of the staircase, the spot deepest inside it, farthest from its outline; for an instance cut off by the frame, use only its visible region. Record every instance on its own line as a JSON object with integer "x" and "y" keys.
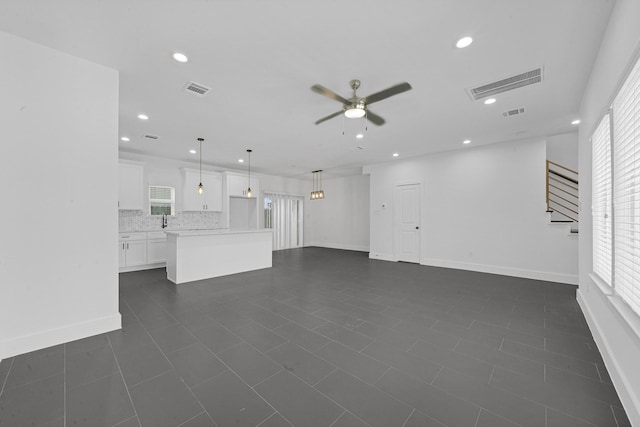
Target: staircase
{"x": 562, "y": 195}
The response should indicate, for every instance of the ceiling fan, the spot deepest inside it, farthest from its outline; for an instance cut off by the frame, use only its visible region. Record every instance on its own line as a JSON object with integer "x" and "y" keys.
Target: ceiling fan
{"x": 355, "y": 107}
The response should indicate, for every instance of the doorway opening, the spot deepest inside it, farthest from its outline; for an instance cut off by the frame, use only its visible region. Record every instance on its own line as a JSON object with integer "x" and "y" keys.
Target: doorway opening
{"x": 284, "y": 215}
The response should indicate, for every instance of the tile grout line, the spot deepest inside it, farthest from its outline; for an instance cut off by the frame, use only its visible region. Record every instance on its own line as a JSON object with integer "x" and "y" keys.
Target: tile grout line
{"x": 40, "y": 379}
{"x": 126, "y": 387}
{"x": 546, "y": 416}
{"x": 127, "y": 420}
{"x": 271, "y": 416}
{"x": 64, "y": 384}
{"x": 269, "y": 377}
{"x": 409, "y": 417}
{"x": 491, "y": 376}
{"x": 6, "y": 379}
{"x": 336, "y": 420}
{"x": 478, "y": 417}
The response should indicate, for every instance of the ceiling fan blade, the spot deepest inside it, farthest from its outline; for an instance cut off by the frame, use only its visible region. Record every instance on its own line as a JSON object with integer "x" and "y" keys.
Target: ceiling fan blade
{"x": 330, "y": 116}
{"x": 328, "y": 93}
{"x": 383, "y": 94}
{"x": 374, "y": 118}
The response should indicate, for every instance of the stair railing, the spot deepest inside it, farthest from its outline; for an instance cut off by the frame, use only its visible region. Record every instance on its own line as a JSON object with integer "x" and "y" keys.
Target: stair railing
{"x": 562, "y": 190}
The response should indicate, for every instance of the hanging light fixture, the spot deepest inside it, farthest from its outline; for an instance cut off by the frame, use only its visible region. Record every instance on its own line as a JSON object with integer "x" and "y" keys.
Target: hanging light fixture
{"x": 249, "y": 169}
{"x": 317, "y": 192}
{"x": 200, "y": 186}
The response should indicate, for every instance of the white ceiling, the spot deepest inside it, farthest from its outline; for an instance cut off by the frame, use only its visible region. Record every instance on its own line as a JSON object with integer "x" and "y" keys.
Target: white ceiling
{"x": 260, "y": 58}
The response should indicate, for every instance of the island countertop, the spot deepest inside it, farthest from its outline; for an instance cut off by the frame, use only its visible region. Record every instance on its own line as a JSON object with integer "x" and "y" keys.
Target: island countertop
{"x": 204, "y": 232}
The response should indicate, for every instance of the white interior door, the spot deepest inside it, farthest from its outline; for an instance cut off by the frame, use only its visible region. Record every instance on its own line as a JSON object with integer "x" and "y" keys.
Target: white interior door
{"x": 407, "y": 223}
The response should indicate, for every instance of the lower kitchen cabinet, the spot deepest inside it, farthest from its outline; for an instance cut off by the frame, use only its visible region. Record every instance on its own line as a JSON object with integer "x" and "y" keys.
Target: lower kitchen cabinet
{"x": 133, "y": 249}
{"x": 156, "y": 247}
{"x": 142, "y": 250}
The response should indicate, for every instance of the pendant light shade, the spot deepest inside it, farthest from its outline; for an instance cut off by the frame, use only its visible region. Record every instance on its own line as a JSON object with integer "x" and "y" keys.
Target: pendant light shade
{"x": 249, "y": 175}
{"x": 317, "y": 192}
{"x": 200, "y": 186}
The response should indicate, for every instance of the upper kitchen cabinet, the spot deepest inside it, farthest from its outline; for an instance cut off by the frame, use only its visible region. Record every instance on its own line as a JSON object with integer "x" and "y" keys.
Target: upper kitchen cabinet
{"x": 238, "y": 184}
{"x": 211, "y": 197}
{"x": 130, "y": 186}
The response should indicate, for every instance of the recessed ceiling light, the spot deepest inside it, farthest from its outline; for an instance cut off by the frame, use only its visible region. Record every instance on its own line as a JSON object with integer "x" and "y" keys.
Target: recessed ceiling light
{"x": 576, "y": 122}
{"x": 464, "y": 42}
{"x": 466, "y": 141}
{"x": 125, "y": 139}
{"x": 193, "y": 151}
{"x": 359, "y": 136}
{"x": 143, "y": 117}
{"x": 240, "y": 160}
{"x": 395, "y": 154}
{"x": 489, "y": 101}
{"x": 180, "y": 57}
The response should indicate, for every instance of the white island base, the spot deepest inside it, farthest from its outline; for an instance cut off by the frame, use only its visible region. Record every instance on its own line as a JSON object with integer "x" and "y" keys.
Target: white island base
{"x": 202, "y": 254}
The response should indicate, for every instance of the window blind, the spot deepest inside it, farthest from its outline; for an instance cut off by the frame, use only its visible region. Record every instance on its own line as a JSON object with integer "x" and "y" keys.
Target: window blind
{"x": 160, "y": 193}
{"x": 626, "y": 190}
{"x": 601, "y": 199}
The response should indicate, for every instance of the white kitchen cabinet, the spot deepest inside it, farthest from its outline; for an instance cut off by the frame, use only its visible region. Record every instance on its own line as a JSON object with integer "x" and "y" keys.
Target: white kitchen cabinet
{"x": 210, "y": 199}
{"x": 237, "y": 185}
{"x": 133, "y": 249}
{"x": 156, "y": 247}
{"x": 130, "y": 186}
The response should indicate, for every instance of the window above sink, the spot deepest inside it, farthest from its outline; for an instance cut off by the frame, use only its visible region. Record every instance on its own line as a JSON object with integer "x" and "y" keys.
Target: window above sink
{"x": 162, "y": 200}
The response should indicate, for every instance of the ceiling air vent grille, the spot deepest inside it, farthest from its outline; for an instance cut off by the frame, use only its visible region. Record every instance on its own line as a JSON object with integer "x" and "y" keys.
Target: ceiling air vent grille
{"x": 504, "y": 85}
{"x": 151, "y": 136}
{"x": 514, "y": 112}
{"x": 196, "y": 88}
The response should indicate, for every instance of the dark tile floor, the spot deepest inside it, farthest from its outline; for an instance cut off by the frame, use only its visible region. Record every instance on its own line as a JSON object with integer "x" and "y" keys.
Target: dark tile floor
{"x": 324, "y": 338}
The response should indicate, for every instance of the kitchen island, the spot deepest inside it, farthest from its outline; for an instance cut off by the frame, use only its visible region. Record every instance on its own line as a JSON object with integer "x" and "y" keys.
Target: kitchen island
{"x": 202, "y": 254}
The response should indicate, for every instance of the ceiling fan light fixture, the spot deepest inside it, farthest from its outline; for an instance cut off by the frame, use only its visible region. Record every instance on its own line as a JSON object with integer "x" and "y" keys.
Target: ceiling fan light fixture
{"x": 180, "y": 57}
{"x": 464, "y": 42}
{"x": 354, "y": 113}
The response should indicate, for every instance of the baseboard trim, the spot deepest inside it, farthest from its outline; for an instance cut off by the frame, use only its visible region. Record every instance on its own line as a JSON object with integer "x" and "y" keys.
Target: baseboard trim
{"x": 48, "y": 338}
{"x": 382, "y": 256}
{"x": 505, "y": 271}
{"x": 142, "y": 267}
{"x": 342, "y": 246}
{"x": 628, "y": 397}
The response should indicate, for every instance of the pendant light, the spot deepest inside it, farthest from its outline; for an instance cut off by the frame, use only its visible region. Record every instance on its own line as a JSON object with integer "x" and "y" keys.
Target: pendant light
{"x": 200, "y": 186}
{"x": 317, "y": 192}
{"x": 249, "y": 180}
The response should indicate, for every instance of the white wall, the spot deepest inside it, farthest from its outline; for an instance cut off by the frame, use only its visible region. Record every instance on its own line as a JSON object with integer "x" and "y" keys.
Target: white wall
{"x": 59, "y": 169}
{"x": 563, "y": 149}
{"x": 482, "y": 209}
{"x": 341, "y": 219}
{"x": 617, "y": 338}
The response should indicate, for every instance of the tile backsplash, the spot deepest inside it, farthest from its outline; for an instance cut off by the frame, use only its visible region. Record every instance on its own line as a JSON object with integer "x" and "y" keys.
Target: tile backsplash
{"x": 136, "y": 221}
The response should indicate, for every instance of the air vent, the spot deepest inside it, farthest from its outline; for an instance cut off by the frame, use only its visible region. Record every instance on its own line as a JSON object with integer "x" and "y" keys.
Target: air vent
{"x": 505, "y": 85}
{"x": 515, "y": 112}
{"x": 151, "y": 136}
{"x": 196, "y": 89}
